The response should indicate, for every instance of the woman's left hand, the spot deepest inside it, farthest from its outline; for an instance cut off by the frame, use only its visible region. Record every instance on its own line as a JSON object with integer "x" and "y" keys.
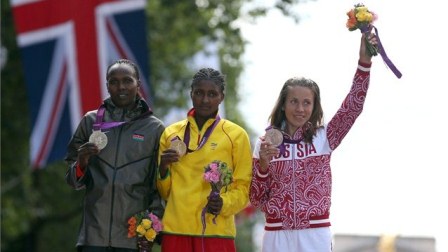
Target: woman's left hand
{"x": 364, "y": 56}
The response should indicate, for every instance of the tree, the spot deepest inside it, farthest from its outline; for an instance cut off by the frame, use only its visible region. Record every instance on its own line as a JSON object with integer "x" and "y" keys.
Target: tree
{"x": 180, "y": 29}
{"x": 39, "y": 212}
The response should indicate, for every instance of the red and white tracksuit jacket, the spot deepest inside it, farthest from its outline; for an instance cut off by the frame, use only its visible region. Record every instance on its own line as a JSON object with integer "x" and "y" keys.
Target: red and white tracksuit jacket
{"x": 295, "y": 192}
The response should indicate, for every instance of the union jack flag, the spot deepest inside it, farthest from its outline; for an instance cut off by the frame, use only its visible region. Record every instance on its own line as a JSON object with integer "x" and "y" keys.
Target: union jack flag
{"x": 66, "y": 47}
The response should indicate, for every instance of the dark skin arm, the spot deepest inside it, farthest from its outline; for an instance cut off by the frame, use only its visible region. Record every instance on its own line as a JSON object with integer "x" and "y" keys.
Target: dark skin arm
{"x": 214, "y": 204}
{"x": 85, "y": 151}
{"x": 168, "y": 157}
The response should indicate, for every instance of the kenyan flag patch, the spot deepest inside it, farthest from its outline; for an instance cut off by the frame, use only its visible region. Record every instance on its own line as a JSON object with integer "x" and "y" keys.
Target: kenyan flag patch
{"x": 138, "y": 137}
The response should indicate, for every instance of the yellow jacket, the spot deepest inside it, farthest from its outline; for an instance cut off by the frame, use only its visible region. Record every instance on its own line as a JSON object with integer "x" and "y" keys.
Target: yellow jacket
{"x": 185, "y": 189}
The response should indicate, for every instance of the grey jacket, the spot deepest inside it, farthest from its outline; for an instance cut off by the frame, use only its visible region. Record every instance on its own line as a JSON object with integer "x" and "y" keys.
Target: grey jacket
{"x": 120, "y": 180}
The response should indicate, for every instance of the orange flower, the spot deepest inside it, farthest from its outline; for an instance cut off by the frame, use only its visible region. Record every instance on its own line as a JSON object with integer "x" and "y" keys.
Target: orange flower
{"x": 132, "y": 221}
{"x": 144, "y": 224}
{"x": 360, "y": 17}
{"x": 131, "y": 232}
{"x": 351, "y": 22}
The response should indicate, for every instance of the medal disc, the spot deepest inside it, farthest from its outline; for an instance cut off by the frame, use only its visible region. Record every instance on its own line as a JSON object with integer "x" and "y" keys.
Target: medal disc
{"x": 274, "y": 136}
{"x": 179, "y": 146}
{"x": 99, "y": 139}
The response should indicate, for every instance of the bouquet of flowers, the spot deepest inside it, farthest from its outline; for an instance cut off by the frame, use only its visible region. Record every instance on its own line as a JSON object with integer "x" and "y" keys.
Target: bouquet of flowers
{"x": 361, "y": 18}
{"x": 219, "y": 175}
{"x": 145, "y": 225}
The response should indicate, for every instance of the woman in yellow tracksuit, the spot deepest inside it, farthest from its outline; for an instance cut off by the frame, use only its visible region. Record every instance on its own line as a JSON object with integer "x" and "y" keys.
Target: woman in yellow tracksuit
{"x": 207, "y": 137}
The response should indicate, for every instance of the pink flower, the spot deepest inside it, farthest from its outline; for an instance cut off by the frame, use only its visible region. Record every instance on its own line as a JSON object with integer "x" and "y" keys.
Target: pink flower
{"x": 214, "y": 177}
{"x": 211, "y": 176}
{"x": 214, "y": 167}
{"x": 218, "y": 174}
{"x": 156, "y": 224}
{"x": 153, "y": 217}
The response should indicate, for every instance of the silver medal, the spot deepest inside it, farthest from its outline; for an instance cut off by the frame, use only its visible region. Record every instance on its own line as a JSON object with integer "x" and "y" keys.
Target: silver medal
{"x": 99, "y": 139}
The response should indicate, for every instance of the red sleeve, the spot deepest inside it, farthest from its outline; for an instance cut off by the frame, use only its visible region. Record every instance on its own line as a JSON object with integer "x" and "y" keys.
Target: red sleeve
{"x": 364, "y": 64}
{"x": 352, "y": 106}
{"x": 79, "y": 171}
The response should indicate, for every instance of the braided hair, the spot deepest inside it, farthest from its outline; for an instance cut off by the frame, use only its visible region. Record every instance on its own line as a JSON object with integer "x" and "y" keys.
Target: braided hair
{"x": 209, "y": 74}
{"x": 127, "y": 62}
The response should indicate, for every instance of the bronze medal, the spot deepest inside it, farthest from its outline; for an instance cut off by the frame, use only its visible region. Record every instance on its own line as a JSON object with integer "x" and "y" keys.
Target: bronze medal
{"x": 274, "y": 136}
{"x": 99, "y": 139}
{"x": 179, "y": 146}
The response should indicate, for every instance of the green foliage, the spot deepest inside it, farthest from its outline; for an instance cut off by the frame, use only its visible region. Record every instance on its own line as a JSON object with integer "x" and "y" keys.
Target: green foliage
{"x": 178, "y": 30}
{"x": 16, "y": 191}
{"x": 243, "y": 238}
{"x": 39, "y": 211}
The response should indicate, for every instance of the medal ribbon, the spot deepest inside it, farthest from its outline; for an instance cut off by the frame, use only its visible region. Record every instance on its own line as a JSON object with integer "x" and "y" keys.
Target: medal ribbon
{"x": 204, "y": 139}
{"x": 100, "y": 125}
{"x": 282, "y": 146}
{"x": 176, "y": 138}
{"x": 290, "y": 141}
{"x": 382, "y": 52}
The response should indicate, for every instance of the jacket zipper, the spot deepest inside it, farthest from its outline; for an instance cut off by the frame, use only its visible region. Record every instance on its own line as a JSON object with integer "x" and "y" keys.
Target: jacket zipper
{"x": 113, "y": 185}
{"x": 294, "y": 181}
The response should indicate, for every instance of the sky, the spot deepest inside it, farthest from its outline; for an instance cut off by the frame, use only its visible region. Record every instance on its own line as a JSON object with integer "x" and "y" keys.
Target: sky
{"x": 389, "y": 174}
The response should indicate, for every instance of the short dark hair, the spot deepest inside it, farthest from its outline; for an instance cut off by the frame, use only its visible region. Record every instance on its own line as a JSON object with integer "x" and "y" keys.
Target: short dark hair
{"x": 127, "y": 62}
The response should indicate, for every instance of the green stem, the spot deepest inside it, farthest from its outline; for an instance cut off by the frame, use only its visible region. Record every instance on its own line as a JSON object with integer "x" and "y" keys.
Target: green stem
{"x": 371, "y": 49}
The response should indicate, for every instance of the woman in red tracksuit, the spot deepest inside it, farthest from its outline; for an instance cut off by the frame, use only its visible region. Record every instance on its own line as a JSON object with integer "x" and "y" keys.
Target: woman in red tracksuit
{"x": 291, "y": 181}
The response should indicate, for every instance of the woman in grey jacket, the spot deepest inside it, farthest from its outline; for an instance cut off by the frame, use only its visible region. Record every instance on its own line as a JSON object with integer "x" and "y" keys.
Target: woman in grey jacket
{"x": 112, "y": 155}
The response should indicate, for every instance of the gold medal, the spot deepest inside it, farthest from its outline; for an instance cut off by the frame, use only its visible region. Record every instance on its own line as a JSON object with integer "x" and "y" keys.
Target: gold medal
{"x": 274, "y": 136}
{"x": 179, "y": 146}
{"x": 99, "y": 139}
